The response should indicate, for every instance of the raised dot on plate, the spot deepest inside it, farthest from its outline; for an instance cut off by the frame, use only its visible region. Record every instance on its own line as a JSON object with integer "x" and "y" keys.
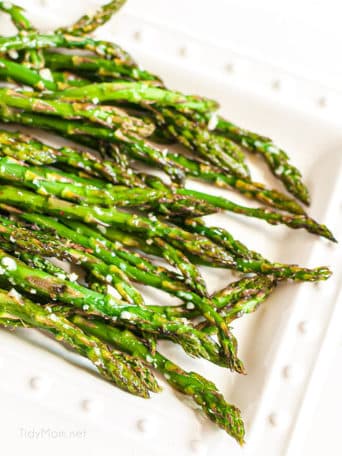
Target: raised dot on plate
{"x": 293, "y": 373}
{"x": 229, "y": 68}
{"x": 304, "y": 327}
{"x": 145, "y": 425}
{"x": 37, "y": 383}
{"x": 273, "y": 419}
{"x": 322, "y": 102}
{"x": 288, "y": 372}
{"x": 90, "y": 406}
{"x": 278, "y": 420}
{"x": 182, "y": 51}
{"x": 137, "y": 35}
{"x": 197, "y": 447}
{"x": 276, "y": 84}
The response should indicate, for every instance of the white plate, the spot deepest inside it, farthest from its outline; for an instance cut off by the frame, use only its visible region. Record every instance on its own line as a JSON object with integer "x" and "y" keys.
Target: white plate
{"x": 280, "y": 344}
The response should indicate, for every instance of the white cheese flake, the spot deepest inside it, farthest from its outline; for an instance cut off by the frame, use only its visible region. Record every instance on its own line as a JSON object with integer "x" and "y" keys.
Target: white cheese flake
{"x": 212, "y": 122}
{"x": 9, "y": 264}
{"x": 125, "y": 315}
{"x": 190, "y": 306}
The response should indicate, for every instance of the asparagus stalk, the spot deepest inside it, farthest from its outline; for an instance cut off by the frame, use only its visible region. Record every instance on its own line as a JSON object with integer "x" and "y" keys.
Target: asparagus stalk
{"x": 35, "y": 179}
{"x": 136, "y": 93}
{"x": 238, "y": 298}
{"x": 33, "y": 58}
{"x": 201, "y": 141}
{"x": 221, "y": 237}
{"x": 65, "y": 79}
{"x": 88, "y": 23}
{"x": 39, "y": 262}
{"x": 24, "y": 239}
{"x": 33, "y": 243}
{"x": 113, "y": 365}
{"x": 16, "y": 14}
{"x": 137, "y": 267}
{"x": 247, "y": 265}
{"x": 12, "y": 71}
{"x": 135, "y": 147}
{"x": 190, "y": 272}
{"x": 23, "y": 147}
{"x": 206, "y": 309}
{"x": 38, "y": 282}
{"x": 203, "y": 392}
{"x": 250, "y": 189}
{"x": 101, "y": 69}
{"x": 276, "y": 158}
{"x": 151, "y": 227}
{"x": 295, "y": 221}
{"x": 47, "y": 181}
{"x": 106, "y": 116}
{"x": 236, "y": 308}
{"x": 34, "y": 41}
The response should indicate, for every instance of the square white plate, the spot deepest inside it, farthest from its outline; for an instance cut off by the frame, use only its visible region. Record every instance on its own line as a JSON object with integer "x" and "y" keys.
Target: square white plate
{"x": 53, "y": 405}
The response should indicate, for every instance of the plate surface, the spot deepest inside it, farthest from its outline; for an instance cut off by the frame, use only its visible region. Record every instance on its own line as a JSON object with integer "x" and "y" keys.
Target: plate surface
{"x": 52, "y": 403}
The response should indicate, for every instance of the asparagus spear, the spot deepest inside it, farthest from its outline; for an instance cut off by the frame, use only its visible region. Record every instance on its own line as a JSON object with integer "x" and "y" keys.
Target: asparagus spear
{"x": 47, "y": 181}
{"x": 250, "y": 189}
{"x": 237, "y": 308}
{"x": 202, "y": 391}
{"x": 190, "y": 272}
{"x": 14, "y": 71}
{"x": 151, "y": 227}
{"x": 136, "y": 92}
{"x": 220, "y": 150}
{"x": 295, "y": 221}
{"x": 88, "y": 23}
{"x": 279, "y": 270}
{"x": 33, "y": 243}
{"x": 272, "y": 217}
{"x": 202, "y": 142}
{"x": 25, "y": 148}
{"x": 39, "y": 262}
{"x": 38, "y": 282}
{"x": 24, "y": 239}
{"x": 35, "y": 179}
{"x": 113, "y": 365}
{"x": 246, "y": 294}
{"x": 238, "y": 298}
{"x": 106, "y": 116}
{"x": 99, "y": 68}
{"x": 34, "y": 40}
{"x": 135, "y": 265}
{"x": 276, "y": 158}
{"x": 65, "y": 79}
{"x": 221, "y": 237}
{"x": 193, "y": 244}
{"x": 135, "y": 147}
{"x": 16, "y": 14}
{"x": 33, "y": 58}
